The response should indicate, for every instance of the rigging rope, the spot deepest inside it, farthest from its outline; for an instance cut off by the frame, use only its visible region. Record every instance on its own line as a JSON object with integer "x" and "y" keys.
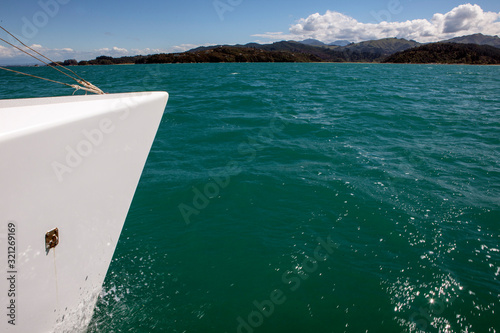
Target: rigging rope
{"x": 74, "y": 86}
{"x": 83, "y": 84}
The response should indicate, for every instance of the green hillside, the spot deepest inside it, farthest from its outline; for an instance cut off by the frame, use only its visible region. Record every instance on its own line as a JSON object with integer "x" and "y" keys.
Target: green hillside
{"x": 384, "y": 46}
{"x": 448, "y": 53}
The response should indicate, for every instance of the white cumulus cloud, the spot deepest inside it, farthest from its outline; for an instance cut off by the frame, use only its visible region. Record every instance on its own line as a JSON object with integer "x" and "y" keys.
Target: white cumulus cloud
{"x": 113, "y": 52}
{"x": 10, "y": 55}
{"x": 462, "y": 20}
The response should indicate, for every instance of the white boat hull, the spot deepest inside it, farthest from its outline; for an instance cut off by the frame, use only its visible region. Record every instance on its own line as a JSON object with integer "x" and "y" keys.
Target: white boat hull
{"x": 71, "y": 163}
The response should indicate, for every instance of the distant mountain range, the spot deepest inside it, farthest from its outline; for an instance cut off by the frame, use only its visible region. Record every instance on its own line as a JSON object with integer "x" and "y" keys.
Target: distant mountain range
{"x": 478, "y": 39}
{"x": 382, "y": 47}
{"x": 473, "y": 49}
{"x": 369, "y": 50}
{"x": 316, "y": 42}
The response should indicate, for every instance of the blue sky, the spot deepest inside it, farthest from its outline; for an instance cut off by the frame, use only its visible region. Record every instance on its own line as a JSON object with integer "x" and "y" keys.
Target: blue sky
{"x": 83, "y": 29}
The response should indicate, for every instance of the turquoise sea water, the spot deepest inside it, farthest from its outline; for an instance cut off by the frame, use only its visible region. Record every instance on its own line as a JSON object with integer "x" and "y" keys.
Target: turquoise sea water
{"x": 308, "y": 198}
